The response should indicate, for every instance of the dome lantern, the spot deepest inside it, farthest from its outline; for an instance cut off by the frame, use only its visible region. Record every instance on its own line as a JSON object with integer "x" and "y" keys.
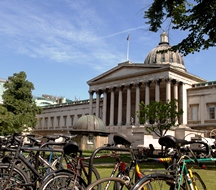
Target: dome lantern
{"x": 164, "y": 38}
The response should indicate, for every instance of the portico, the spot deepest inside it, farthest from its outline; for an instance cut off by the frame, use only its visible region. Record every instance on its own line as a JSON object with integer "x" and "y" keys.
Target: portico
{"x": 117, "y": 104}
{"x": 119, "y": 91}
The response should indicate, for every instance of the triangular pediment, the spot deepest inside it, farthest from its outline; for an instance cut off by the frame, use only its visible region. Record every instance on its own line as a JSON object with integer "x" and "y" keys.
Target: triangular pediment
{"x": 123, "y": 71}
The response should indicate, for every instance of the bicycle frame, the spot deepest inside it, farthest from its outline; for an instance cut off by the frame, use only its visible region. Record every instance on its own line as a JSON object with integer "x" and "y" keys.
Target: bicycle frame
{"x": 188, "y": 172}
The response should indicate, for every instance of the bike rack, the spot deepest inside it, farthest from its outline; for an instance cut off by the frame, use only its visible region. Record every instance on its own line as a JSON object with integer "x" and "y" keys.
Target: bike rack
{"x": 98, "y": 150}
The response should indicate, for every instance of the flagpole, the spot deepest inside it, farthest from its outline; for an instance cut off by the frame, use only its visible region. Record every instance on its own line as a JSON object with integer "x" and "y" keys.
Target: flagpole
{"x": 128, "y": 43}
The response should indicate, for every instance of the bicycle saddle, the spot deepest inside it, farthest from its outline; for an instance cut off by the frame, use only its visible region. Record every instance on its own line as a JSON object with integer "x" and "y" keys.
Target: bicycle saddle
{"x": 71, "y": 147}
{"x": 172, "y": 142}
{"x": 123, "y": 139}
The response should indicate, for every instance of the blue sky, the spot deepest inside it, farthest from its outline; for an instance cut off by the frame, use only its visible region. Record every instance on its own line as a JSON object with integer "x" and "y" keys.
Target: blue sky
{"x": 61, "y": 44}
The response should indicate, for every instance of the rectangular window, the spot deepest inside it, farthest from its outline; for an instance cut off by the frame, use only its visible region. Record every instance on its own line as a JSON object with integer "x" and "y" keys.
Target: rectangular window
{"x": 65, "y": 120}
{"x": 72, "y": 119}
{"x": 162, "y": 58}
{"x": 194, "y": 112}
{"x": 40, "y": 122}
{"x": 211, "y": 112}
{"x": 58, "y": 121}
{"x": 46, "y": 121}
{"x": 90, "y": 139}
{"x": 52, "y": 121}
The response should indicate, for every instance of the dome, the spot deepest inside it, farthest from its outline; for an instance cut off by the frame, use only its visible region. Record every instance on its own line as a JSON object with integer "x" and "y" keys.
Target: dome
{"x": 89, "y": 123}
{"x": 169, "y": 57}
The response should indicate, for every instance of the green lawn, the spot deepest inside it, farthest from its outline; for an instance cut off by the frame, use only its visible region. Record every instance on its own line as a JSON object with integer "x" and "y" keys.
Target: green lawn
{"x": 208, "y": 175}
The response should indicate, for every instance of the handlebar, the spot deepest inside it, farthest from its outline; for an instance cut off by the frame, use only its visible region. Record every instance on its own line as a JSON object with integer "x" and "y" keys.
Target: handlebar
{"x": 207, "y": 149}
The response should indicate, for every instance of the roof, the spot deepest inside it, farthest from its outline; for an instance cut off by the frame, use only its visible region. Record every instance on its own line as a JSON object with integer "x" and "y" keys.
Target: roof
{"x": 89, "y": 124}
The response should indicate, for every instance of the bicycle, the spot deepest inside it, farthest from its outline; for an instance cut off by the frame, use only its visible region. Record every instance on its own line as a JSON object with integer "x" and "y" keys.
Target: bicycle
{"x": 12, "y": 176}
{"x": 180, "y": 177}
{"x": 69, "y": 156}
{"x": 127, "y": 175}
{"x": 37, "y": 157}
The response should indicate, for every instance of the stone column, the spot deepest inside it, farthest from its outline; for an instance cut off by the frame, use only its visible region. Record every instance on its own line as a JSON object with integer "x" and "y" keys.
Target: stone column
{"x": 157, "y": 90}
{"x": 97, "y": 103}
{"x": 104, "y": 105}
{"x": 202, "y": 107}
{"x": 168, "y": 89}
{"x": 147, "y": 92}
{"x": 175, "y": 83}
{"x": 183, "y": 91}
{"x": 91, "y": 102}
{"x": 112, "y": 89}
{"x": 137, "y": 102}
{"x": 120, "y": 88}
{"x": 128, "y": 110}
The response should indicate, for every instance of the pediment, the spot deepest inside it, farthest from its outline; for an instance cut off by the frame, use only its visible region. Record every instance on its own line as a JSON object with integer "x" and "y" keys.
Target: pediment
{"x": 123, "y": 71}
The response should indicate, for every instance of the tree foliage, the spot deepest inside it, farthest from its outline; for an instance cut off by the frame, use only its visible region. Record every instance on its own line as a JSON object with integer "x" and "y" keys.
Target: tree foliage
{"x": 19, "y": 110}
{"x": 159, "y": 117}
{"x": 197, "y": 18}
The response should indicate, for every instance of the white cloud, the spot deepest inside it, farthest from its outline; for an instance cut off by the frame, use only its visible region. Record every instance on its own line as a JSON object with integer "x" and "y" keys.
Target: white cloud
{"x": 72, "y": 36}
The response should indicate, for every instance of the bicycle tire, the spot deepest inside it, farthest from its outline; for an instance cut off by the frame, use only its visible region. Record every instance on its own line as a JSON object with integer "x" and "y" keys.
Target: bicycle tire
{"x": 62, "y": 179}
{"x": 198, "y": 182}
{"x": 95, "y": 173}
{"x": 108, "y": 183}
{"x": 17, "y": 181}
{"x": 157, "y": 181}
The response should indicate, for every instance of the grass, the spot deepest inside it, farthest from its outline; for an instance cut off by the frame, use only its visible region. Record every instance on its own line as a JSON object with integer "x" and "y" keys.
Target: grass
{"x": 208, "y": 175}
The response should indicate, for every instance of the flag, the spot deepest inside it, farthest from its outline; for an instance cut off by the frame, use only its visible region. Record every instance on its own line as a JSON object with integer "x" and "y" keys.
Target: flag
{"x": 128, "y": 38}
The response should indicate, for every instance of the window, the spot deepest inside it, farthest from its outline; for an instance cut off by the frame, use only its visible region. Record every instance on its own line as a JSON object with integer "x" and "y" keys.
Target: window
{"x": 58, "y": 121}
{"x": 46, "y": 121}
{"x": 194, "y": 112}
{"x": 163, "y": 58}
{"x": 90, "y": 139}
{"x": 40, "y": 122}
{"x": 171, "y": 57}
{"x": 72, "y": 119}
{"x": 52, "y": 121}
{"x": 211, "y": 112}
{"x": 65, "y": 120}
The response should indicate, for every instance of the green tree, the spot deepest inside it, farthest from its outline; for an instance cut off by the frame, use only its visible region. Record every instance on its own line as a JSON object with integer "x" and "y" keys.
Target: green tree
{"x": 160, "y": 117}
{"x": 197, "y": 17}
{"x": 19, "y": 110}
{"x": 6, "y": 121}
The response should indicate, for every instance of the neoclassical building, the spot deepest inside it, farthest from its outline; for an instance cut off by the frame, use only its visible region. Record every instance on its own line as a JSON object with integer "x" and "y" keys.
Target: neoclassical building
{"x": 115, "y": 95}
{"x": 160, "y": 77}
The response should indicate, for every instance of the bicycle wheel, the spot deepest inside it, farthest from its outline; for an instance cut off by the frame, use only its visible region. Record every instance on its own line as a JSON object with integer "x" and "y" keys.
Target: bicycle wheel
{"x": 108, "y": 183}
{"x": 198, "y": 182}
{"x": 156, "y": 181}
{"x": 62, "y": 180}
{"x": 16, "y": 181}
{"x": 85, "y": 172}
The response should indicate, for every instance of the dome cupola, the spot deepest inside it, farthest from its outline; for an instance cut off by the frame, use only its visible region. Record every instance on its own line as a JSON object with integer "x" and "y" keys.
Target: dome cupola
{"x": 169, "y": 57}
